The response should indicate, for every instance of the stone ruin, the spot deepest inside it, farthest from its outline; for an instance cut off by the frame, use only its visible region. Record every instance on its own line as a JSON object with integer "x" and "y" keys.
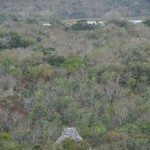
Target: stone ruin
{"x": 69, "y": 133}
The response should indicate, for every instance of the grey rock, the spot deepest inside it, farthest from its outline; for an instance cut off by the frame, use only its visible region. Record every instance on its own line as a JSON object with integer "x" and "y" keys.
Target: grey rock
{"x": 69, "y": 133}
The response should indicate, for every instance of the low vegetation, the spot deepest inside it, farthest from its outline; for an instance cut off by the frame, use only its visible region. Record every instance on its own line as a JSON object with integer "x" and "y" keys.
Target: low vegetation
{"x": 147, "y": 22}
{"x": 95, "y": 78}
{"x": 72, "y": 8}
{"x": 82, "y": 25}
{"x": 13, "y": 40}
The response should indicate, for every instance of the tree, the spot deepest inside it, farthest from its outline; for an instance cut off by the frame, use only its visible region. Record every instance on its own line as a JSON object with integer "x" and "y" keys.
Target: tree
{"x": 82, "y": 25}
{"x": 70, "y": 144}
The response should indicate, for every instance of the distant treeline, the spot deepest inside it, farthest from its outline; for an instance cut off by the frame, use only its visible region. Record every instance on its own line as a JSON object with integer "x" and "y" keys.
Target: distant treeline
{"x": 65, "y": 9}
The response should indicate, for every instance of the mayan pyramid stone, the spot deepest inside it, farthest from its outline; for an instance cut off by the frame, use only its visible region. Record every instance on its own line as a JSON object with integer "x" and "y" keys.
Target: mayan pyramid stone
{"x": 69, "y": 133}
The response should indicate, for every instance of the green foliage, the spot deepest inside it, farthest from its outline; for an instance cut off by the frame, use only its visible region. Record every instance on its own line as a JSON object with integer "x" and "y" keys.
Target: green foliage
{"x": 99, "y": 82}
{"x": 36, "y": 70}
{"x": 55, "y": 60}
{"x": 7, "y": 61}
{"x": 137, "y": 144}
{"x": 70, "y": 144}
{"x": 18, "y": 41}
{"x": 48, "y": 50}
{"x": 107, "y": 120}
{"x": 6, "y": 142}
{"x": 73, "y": 63}
{"x": 145, "y": 127}
{"x": 94, "y": 134}
{"x": 15, "y": 70}
{"x": 3, "y": 127}
{"x": 44, "y": 50}
{"x": 82, "y": 25}
{"x": 147, "y": 22}
{"x": 37, "y": 147}
{"x": 5, "y": 136}
{"x": 38, "y": 112}
{"x": 14, "y": 40}
{"x": 12, "y": 146}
